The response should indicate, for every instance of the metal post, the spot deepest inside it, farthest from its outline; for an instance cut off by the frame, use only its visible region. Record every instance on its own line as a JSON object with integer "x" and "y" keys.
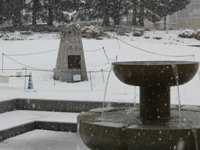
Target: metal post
{"x": 90, "y": 80}
{"x": 25, "y": 79}
{"x": 102, "y": 76}
{"x": 106, "y": 55}
{"x": 118, "y": 43}
{"x": 2, "y": 61}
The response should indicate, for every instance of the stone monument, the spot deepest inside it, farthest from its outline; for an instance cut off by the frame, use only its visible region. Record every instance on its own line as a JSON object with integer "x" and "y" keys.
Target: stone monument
{"x": 70, "y": 65}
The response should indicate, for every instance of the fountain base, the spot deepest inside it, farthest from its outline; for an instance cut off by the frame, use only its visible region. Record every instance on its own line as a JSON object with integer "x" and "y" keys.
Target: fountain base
{"x": 122, "y": 133}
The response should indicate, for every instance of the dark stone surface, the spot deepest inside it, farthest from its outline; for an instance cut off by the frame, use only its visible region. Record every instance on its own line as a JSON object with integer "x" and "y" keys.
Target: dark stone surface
{"x": 33, "y": 104}
{"x": 102, "y": 137}
{"x": 68, "y": 127}
{"x": 76, "y": 106}
{"x": 8, "y": 133}
{"x": 91, "y": 105}
{"x": 155, "y": 102}
{"x": 54, "y": 126}
{"x": 7, "y": 106}
{"x": 154, "y": 79}
{"x": 54, "y": 105}
{"x": 159, "y": 138}
{"x": 136, "y": 137}
{"x": 19, "y": 104}
{"x": 122, "y": 104}
{"x": 155, "y": 73}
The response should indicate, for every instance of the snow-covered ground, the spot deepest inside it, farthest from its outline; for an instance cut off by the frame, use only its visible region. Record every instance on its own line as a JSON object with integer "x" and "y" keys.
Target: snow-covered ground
{"x": 41, "y": 66}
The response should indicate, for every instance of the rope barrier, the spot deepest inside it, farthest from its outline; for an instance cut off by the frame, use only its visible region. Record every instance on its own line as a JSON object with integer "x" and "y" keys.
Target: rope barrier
{"x": 19, "y": 62}
{"x": 153, "y": 52}
{"x": 45, "y": 52}
{"x": 94, "y": 50}
{"x": 31, "y": 53}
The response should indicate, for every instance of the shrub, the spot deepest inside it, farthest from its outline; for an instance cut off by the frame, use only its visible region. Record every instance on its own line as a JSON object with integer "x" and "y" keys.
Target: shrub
{"x": 197, "y": 36}
{"x": 93, "y": 31}
{"x": 138, "y": 32}
{"x": 187, "y": 34}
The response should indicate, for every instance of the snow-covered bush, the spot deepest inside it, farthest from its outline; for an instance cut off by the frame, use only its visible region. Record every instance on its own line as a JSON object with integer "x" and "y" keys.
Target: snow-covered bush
{"x": 138, "y": 32}
{"x": 93, "y": 31}
{"x": 197, "y": 36}
{"x": 13, "y": 37}
{"x": 187, "y": 34}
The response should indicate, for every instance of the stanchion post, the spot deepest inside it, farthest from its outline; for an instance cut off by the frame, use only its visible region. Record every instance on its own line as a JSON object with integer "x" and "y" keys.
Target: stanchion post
{"x": 25, "y": 79}
{"x": 106, "y": 55}
{"x": 90, "y": 80}
{"x": 2, "y": 61}
{"x": 118, "y": 43}
{"x": 102, "y": 75}
{"x": 53, "y": 77}
{"x": 116, "y": 58}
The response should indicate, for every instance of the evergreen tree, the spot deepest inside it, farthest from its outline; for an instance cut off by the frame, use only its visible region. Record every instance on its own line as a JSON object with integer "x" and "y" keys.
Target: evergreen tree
{"x": 106, "y": 15}
{"x": 141, "y": 13}
{"x": 13, "y": 11}
{"x": 116, "y": 8}
{"x": 35, "y": 11}
{"x": 134, "y": 18}
{"x": 1, "y": 11}
{"x": 166, "y": 7}
{"x": 131, "y": 5}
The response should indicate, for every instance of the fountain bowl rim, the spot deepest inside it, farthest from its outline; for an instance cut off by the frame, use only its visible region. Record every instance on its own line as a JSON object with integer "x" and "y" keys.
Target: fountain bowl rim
{"x": 154, "y": 63}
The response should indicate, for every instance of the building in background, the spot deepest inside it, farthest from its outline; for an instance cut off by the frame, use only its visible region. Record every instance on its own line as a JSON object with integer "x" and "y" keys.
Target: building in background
{"x": 188, "y": 18}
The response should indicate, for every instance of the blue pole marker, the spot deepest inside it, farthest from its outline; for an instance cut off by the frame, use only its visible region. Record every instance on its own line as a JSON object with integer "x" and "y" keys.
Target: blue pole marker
{"x": 30, "y": 82}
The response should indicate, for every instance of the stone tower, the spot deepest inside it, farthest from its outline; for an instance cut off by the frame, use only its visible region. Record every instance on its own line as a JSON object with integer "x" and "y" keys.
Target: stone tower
{"x": 70, "y": 66}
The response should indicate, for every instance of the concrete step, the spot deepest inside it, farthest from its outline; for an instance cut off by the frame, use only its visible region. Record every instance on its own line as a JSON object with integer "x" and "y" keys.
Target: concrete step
{"x": 17, "y": 122}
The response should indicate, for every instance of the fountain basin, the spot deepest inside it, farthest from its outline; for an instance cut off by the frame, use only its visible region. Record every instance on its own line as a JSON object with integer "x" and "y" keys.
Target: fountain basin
{"x": 154, "y": 73}
{"x": 124, "y": 130}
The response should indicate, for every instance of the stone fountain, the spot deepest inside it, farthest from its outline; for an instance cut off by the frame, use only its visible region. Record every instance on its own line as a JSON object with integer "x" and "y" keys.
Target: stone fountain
{"x": 155, "y": 124}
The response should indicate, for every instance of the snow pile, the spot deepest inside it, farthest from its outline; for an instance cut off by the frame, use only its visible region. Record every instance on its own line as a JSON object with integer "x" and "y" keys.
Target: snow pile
{"x": 187, "y": 34}
{"x": 92, "y": 30}
{"x": 14, "y": 37}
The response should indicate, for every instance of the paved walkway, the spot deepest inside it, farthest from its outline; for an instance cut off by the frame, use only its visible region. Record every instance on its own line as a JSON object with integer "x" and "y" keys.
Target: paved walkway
{"x": 18, "y": 117}
{"x": 43, "y": 140}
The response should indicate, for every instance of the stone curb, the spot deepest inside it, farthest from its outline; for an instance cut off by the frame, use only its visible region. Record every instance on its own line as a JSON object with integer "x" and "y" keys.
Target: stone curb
{"x": 54, "y": 105}
{"x": 43, "y": 125}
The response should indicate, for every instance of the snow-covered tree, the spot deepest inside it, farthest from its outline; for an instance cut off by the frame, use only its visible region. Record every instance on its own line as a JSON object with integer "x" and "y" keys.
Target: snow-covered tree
{"x": 106, "y": 14}
{"x": 165, "y": 7}
{"x": 12, "y": 10}
{"x": 115, "y": 11}
{"x": 35, "y": 8}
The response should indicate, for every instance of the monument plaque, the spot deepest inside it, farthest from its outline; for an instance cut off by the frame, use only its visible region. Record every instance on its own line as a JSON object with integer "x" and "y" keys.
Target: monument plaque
{"x": 74, "y": 61}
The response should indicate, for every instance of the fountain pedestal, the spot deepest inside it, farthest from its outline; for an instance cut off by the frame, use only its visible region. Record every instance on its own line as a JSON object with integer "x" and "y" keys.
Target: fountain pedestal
{"x": 155, "y": 102}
